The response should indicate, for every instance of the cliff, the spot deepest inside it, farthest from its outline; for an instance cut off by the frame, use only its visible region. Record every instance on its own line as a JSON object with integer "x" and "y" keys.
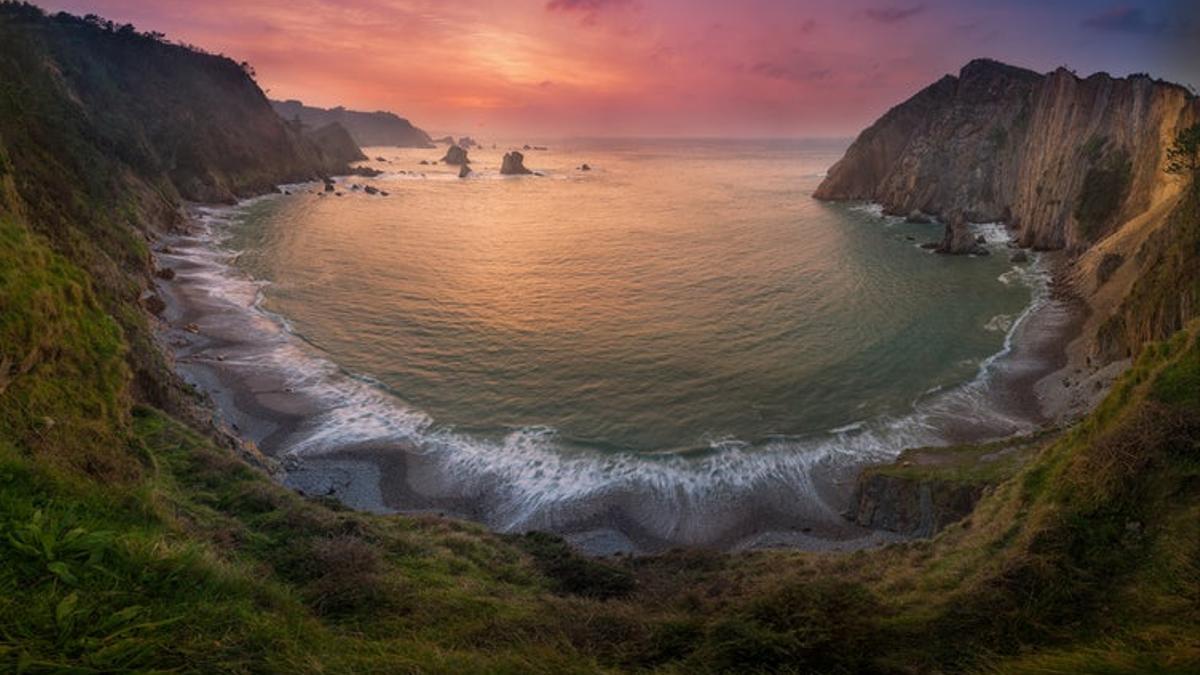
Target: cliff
{"x": 367, "y": 128}
{"x": 1067, "y": 162}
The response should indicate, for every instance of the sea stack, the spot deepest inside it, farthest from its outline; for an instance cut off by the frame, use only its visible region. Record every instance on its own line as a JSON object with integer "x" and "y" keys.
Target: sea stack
{"x": 456, "y": 156}
{"x": 464, "y": 171}
{"x": 514, "y": 164}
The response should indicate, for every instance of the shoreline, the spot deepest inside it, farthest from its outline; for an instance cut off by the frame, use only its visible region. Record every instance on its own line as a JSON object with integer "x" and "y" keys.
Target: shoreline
{"x": 228, "y": 347}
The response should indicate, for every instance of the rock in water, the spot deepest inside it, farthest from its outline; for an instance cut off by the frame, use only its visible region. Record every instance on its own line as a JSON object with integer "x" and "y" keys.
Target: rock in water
{"x": 371, "y": 190}
{"x": 958, "y": 239}
{"x": 1019, "y": 256}
{"x": 456, "y": 156}
{"x": 464, "y": 171}
{"x": 329, "y": 184}
{"x": 514, "y": 164}
{"x": 585, "y": 167}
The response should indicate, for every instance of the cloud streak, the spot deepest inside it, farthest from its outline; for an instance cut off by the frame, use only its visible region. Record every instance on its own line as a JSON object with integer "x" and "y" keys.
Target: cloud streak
{"x": 893, "y": 14}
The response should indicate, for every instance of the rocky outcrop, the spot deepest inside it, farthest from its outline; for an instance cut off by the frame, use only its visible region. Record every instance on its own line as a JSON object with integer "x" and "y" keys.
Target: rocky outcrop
{"x": 464, "y": 171}
{"x": 1061, "y": 159}
{"x": 514, "y": 164}
{"x": 335, "y": 146}
{"x": 456, "y": 156}
{"x": 366, "y": 128}
{"x": 912, "y": 506}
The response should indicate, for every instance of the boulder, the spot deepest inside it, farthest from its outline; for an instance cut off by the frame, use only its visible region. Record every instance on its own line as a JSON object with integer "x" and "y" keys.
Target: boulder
{"x": 514, "y": 164}
{"x": 456, "y": 156}
{"x": 165, "y": 273}
{"x": 154, "y": 304}
{"x": 585, "y": 167}
{"x": 371, "y": 190}
{"x": 329, "y": 184}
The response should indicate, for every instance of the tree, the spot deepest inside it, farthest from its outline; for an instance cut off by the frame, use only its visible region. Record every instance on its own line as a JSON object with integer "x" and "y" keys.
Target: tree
{"x": 1183, "y": 157}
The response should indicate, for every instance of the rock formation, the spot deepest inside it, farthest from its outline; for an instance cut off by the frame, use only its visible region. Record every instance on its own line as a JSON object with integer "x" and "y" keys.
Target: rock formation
{"x": 464, "y": 171}
{"x": 1064, "y": 160}
{"x": 335, "y": 145}
{"x": 456, "y": 156}
{"x": 514, "y": 164}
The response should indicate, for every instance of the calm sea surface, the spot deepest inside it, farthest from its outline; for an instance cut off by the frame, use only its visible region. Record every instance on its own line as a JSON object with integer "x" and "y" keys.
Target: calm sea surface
{"x": 680, "y": 296}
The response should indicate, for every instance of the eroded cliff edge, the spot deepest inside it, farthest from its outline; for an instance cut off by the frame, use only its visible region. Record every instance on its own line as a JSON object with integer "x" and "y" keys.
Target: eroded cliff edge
{"x": 1069, "y": 163}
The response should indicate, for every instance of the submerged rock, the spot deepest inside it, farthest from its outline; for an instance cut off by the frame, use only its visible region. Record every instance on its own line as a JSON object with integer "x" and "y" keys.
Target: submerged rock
{"x": 1019, "y": 256}
{"x": 918, "y": 217}
{"x": 514, "y": 164}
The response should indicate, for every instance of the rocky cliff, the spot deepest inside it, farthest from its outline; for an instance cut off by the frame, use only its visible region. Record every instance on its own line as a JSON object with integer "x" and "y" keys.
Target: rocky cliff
{"x": 1067, "y": 162}
{"x": 1063, "y": 160}
{"x": 367, "y": 128}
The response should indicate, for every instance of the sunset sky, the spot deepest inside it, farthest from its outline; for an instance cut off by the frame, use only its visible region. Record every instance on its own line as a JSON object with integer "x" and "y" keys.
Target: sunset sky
{"x": 544, "y": 68}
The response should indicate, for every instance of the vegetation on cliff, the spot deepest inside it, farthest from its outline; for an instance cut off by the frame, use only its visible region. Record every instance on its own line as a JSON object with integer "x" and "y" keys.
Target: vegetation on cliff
{"x": 131, "y": 539}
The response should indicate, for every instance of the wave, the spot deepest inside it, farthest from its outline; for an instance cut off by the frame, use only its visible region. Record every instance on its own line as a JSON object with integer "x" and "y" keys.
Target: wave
{"x": 530, "y": 479}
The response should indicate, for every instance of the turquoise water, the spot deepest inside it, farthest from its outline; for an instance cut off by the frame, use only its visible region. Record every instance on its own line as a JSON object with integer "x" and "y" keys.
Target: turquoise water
{"x": 681, "y": 296}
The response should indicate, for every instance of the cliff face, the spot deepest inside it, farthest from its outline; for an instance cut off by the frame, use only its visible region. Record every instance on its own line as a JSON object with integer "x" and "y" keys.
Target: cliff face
{"x": 1063, "y": 160}
{"x": 367, "y": 128}
{"x": 1067, "y": 163}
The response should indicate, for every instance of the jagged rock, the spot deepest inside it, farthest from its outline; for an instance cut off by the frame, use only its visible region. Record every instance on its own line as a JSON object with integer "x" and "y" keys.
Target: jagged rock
{"x": 371, "y": 190}
{"x": 165, "y": 273}
{"x": 958, "y": 239}
{"x": 365, "y": 172}
{"x": 514, "y": 164}
{"x": 1019, "y": 256}
{"x": 329, "y": 184}
{"x": 585, "y": 167}
{"x": 464, "y": 171}
{"x": 456, "y": 156}
{"x": 424, "y": 162}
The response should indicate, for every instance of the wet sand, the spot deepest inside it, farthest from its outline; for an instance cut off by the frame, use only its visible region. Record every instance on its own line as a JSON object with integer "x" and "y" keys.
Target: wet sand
{"x": 230, "y": 350}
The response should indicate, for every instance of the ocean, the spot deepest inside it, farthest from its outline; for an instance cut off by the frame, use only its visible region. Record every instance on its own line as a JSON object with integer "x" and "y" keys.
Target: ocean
{"x": 674, "y": 339}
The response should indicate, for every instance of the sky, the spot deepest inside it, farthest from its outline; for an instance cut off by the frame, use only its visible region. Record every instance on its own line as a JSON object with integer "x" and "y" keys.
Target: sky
{"x": 735, "y": 68}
